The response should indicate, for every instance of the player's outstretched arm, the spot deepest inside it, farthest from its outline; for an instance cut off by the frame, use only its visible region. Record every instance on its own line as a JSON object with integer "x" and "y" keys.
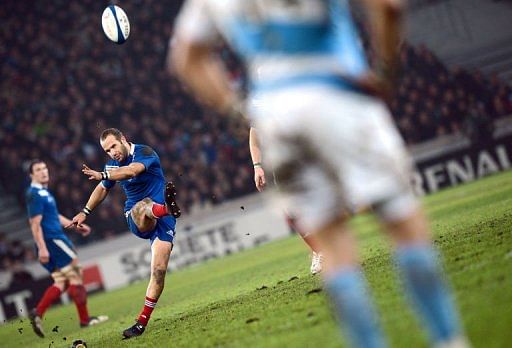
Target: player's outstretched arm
{"x": 97, "y": 196}
{"x": 83, "y": 229}
{"x": 204, "y": 74}
{"x": 254, "y": 148}
{"x": 116, "y": 174}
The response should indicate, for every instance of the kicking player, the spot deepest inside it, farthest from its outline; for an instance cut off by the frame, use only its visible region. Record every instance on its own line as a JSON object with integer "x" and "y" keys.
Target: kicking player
{"x": 331, "y": 143}
{"x": 55, "y": 251}
{"x": 150, "y": 209}
{"x": 260, "y": 181}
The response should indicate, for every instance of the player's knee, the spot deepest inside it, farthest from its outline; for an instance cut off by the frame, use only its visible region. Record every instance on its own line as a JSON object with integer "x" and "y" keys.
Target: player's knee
{"x": 77, "y": 268}
{"x": 136, "y": 210}
{"x": 59, "y": 280}
{"x": 139, "y": 209}
{"x": 73, "y": 273}
{"x": 142, "y": 215}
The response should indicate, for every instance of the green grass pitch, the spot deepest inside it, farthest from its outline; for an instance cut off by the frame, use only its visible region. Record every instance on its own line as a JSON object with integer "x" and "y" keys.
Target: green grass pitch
{"x": 265, "y": 297}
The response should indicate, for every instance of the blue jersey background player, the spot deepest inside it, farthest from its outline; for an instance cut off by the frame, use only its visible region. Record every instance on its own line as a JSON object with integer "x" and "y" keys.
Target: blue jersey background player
{"x": 55, "y": 251}
{"x": 331, "y": 143}
{"x": 150, "y": 207}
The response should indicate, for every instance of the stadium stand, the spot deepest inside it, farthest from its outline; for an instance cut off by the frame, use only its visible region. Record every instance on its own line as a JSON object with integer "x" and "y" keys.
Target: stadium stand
{"x": 63, "y": 83}
{"x": 440, "y": 100}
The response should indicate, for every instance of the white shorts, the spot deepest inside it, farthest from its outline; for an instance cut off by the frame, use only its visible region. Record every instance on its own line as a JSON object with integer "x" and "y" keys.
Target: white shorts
{"x": 333, "y": 150}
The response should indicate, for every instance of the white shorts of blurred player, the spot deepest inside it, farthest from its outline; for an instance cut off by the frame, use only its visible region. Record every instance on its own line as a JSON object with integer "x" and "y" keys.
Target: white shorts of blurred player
{"x": 333, "y": 149}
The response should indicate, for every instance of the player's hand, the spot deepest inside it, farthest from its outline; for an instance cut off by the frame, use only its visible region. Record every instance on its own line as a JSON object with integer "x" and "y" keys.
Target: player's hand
{"x": 259, "y": 178}
{"x": 375, "y": 85}
{"x": 44, "y": 255}
{"x": 235, "y": 108}
{"x": 92, "y": 174}
{"x": 84, "y": 230}
{"x": 78, "y": 221}
{"x": 380, "y": 82}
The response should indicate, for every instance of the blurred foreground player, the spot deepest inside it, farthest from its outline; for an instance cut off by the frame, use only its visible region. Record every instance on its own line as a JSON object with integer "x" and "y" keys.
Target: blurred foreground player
{"x": 150, "y": 208}
{"x": 261, "y": 181}
{"x": 55, "y": 251}
{"x": 331, "y": 143}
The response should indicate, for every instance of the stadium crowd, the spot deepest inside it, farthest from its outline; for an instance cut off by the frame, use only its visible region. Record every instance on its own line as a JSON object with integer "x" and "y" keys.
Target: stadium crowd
{"x": 13, "y": 253}
{"x": 63, "y": 83}
{"x": 432, "y": 100}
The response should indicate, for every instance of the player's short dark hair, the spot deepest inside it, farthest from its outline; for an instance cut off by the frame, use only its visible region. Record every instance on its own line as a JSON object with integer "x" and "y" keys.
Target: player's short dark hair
{"x": 33, "y": 163}
{"x": 111, "y": 131}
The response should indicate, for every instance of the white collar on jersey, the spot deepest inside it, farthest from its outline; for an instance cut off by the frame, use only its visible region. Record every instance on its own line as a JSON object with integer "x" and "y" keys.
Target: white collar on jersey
{"x": 37, "y": 185}
{"x": 132, "y": 148}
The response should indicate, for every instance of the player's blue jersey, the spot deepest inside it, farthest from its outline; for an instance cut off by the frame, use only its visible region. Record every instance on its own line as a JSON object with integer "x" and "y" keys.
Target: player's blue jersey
{"x": 284, "y": 42}
{"x": 149, "y": 183}
{"x": 41, "y": 202}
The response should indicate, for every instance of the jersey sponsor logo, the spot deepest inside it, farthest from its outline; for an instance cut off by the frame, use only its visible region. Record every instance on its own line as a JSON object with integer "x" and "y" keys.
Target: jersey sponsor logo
{"x": 43, "y": 193}
{"x": 110, "y": 167}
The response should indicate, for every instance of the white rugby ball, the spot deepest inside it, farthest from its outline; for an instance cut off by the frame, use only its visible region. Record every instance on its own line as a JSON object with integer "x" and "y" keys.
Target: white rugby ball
{"x": 115, "y": 23}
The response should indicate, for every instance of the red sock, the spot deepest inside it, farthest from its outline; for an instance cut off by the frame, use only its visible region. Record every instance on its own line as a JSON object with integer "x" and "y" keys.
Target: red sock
{"x": 79, "y": 295}
{"x": 159, "y": 210}
{"x": 310, "y": 241}
{"x": 149, "y": 305}
{"x": 50, "y": 295}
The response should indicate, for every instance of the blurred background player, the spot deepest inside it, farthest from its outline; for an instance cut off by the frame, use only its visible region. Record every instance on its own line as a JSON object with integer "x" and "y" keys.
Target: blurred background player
{"x": 54, "y": 250}
{"x": 150, "y": 207}
{"x": 261, "y": 181}
{"x": 305, "y": 58}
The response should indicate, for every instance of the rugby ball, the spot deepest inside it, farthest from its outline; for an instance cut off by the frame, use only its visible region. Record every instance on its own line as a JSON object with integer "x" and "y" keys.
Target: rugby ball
{"x": 115, "y": 23}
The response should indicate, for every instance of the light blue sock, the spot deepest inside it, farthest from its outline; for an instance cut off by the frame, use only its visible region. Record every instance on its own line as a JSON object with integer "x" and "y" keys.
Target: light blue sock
{"x": 347, "y": 289}
{"x": 424, "y": 281}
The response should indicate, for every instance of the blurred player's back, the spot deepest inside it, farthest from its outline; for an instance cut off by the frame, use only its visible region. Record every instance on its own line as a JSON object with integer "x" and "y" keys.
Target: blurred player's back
{"x": 286, "y": 41}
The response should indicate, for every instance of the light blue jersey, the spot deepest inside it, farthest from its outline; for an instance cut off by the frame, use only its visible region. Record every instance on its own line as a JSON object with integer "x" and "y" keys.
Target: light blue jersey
{"x": 284, "y": 42}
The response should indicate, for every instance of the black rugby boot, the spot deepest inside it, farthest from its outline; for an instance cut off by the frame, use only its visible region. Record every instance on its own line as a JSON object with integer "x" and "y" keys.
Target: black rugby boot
{"x": 170, "y": 200}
